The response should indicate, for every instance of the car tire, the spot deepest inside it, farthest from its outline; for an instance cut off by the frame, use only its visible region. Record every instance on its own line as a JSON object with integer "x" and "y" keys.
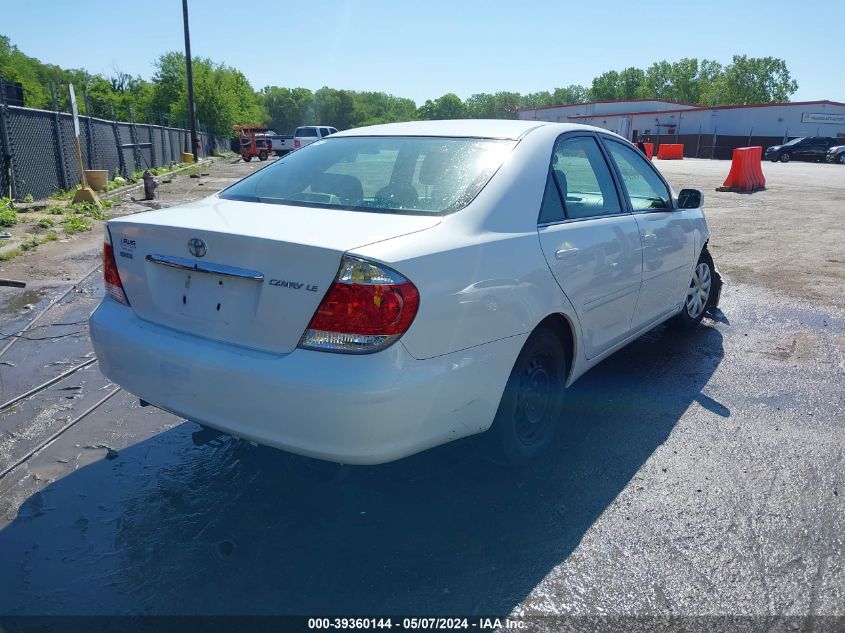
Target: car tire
{"x": 532, "y": 401}
{"x": 262, "y": 155}
{"x": 699, "y": 292}
{"x": 841, "y": 158}
{"x": 785, "y": 157}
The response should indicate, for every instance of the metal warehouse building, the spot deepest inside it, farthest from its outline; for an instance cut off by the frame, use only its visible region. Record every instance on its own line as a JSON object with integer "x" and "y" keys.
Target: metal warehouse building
{"x": 706, "y": 132}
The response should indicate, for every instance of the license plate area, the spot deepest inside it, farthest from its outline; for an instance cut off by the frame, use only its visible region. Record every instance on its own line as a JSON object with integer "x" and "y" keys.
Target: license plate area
{"x": 216, "y": 299}
{"x": 209, "y": 296}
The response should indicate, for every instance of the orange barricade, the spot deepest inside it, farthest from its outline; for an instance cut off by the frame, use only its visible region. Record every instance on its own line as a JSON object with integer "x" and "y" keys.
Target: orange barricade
{"x": 670, "y": 151}
{"x": 746, "y": 171}
{"x": 649, "y": 150}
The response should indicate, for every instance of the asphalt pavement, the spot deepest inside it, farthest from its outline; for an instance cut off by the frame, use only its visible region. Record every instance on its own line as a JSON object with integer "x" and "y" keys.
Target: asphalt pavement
{"x": 696, "y": 474}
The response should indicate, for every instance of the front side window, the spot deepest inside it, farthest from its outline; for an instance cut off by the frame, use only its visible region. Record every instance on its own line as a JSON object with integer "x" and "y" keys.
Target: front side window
{"x": 583, "y": 178}
{"x": 415, "y": 175}
{"x": 645, "y": 188}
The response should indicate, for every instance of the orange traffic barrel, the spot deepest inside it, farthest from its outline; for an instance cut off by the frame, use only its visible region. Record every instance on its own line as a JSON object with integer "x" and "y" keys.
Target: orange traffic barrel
{"x": 746, "y": 174}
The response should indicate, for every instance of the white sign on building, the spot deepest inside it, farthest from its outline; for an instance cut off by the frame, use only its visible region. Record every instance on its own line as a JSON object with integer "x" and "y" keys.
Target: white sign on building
{"x": 821, "y": 117}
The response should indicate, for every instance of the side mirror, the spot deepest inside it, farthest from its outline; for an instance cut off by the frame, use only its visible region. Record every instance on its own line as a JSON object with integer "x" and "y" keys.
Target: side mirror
{"x": 690, "y": 199}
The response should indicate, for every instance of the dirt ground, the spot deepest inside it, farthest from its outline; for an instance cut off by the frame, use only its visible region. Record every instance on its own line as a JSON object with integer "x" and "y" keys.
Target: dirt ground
{"x": 789, "y": 238}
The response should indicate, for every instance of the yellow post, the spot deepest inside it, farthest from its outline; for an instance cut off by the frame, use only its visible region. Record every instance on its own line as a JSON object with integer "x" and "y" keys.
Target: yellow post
{"x": 84, "y": 193}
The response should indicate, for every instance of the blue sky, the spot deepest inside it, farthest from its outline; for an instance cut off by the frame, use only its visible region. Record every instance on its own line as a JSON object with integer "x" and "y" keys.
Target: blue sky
{"x": 422, "y": 49}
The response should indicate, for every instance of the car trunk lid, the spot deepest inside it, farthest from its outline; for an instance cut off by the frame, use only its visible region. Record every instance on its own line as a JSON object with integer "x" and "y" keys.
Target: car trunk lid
{"x": 249, "y": 274}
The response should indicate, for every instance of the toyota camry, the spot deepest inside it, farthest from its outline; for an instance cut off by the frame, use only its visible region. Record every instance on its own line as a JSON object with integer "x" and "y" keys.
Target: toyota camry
{"x": 391, "y": 288}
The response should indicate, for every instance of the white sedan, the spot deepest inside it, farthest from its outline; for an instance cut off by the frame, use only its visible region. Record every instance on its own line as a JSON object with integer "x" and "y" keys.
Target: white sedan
{"x": 392, "y": 288}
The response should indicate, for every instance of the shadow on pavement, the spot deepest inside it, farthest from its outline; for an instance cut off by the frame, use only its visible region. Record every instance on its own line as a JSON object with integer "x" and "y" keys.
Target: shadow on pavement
{"x": 170, "y": 528}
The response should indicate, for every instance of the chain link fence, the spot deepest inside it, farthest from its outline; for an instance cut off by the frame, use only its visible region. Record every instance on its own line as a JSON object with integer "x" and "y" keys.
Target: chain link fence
{"x": 38, "y": 149}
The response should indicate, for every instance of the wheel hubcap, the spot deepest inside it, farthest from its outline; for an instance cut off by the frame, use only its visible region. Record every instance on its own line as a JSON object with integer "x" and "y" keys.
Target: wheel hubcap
{"x": 699, "y": 290}
{"x": 534, "y": 402}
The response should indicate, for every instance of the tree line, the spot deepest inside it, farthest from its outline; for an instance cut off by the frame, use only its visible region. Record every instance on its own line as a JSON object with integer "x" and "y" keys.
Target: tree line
{"x": 224, "y": 97}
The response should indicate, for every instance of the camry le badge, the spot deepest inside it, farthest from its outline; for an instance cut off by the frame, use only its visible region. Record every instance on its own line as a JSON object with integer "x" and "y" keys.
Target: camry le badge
{"x": 197, "y": 247}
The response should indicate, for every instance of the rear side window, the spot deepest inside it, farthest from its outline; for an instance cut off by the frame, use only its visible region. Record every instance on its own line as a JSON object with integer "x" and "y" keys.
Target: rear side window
{"x": 414, "y": 175}
{"x": 306, "y": 131}
{"x": 552, "y": 209}
{"x": 645, "y": 188}
{"x": 583, "y": 178}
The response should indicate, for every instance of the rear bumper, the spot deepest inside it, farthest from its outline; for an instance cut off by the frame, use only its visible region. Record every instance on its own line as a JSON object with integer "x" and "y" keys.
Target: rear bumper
{"x": 355, "y": 409}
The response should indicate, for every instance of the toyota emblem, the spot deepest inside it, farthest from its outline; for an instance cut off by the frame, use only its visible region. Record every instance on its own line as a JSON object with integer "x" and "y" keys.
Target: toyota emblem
{"x": 197, "y": 247}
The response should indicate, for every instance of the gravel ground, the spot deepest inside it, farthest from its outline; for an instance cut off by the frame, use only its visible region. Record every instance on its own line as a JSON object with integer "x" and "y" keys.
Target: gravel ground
{"x": 699, "y": 474}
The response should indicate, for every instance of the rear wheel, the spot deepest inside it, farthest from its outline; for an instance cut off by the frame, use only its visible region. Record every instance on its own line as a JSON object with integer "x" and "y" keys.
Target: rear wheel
{"x": 698, "y": 294}
{"x": 247, "y": 158}
{"x": 532, "y": 402}
{"x": 841, "y": 158}
{"x": 262, "y": 155}
{"x": 785, "y": 157}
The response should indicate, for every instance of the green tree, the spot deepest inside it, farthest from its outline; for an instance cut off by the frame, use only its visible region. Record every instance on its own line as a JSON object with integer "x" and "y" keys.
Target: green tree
{"x": 449, "y": 106}
{"x": 222, "y": 94}
{"x": 755, "y": 80}
{"x": 605, "y": 87}
{"x": 570, "y": 94}
{"x": 287, "y": 108}
{"x": 629, "y": 83}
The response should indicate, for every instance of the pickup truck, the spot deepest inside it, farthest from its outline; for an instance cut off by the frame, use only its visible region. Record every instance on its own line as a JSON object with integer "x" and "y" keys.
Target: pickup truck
{"x": 306, "y": 135}
{"x": 281, "y": 143}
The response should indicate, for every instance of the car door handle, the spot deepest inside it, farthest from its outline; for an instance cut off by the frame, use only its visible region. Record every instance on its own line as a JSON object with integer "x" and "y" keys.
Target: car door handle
{"x": 648, "y": 238}
{"x": 566, "y": 253}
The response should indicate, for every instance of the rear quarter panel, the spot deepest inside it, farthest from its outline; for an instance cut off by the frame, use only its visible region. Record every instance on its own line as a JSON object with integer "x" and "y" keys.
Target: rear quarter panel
{"x": 481, "y": 272}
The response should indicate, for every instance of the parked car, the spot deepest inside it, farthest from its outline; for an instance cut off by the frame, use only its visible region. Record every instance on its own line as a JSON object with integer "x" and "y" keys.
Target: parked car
{"x": 281, "y": 143}
{"x": 303, "y": 136}
{"x": 836, "y": 154}
{"x": 400, "y": 286}
{"x": 810, "y": 148}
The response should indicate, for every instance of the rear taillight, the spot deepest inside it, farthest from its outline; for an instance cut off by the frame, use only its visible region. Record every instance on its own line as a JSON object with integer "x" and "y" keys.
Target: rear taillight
{"x": 297, "y": 143}
{"x": 114, "y": 287}
{"x": 368, "y": 307}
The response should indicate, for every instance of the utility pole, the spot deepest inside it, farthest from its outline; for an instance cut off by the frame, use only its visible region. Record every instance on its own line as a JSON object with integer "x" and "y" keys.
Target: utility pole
{"x": 192, "y": 111}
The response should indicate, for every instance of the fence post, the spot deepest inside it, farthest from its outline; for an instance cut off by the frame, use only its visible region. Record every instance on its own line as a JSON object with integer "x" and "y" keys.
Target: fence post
{"x": 749, "y": 137}
{"x": 698, "y": 144}
{"x": 713, "y": 146}
{"x": 120, "y": 157}
{"x": 164, "y": 159}
{"x": 59, "y": 146}
{"x": 8, "y": 163}
{"x": 133, "y": 136}
{"x": 92, "y": 149}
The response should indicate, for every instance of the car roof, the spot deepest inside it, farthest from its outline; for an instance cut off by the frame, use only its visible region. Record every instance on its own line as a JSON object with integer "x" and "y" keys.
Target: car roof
{"x": 470, "y": 128}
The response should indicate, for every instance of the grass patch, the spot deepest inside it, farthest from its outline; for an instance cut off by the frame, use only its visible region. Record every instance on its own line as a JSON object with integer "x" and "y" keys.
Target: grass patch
{"x": 61, "y": 194}
{"x": 76, "y": 224}
{"x": 8, "y": 217}
{"x": 46, "y": 223}
{"x": 30, "y": 243}
{"x": 87, "y": 209}
{"x": 4, "y": 257}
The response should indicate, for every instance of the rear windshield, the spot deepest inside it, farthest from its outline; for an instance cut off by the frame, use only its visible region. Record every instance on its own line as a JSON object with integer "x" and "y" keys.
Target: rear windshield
{"x": 413, "y": 175}
{"x": 306, "y": 131}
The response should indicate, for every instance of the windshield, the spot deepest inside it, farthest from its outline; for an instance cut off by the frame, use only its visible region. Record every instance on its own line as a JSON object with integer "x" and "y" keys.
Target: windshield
{"x": 794, "y": 141}
{"x": 414, "y": 175}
